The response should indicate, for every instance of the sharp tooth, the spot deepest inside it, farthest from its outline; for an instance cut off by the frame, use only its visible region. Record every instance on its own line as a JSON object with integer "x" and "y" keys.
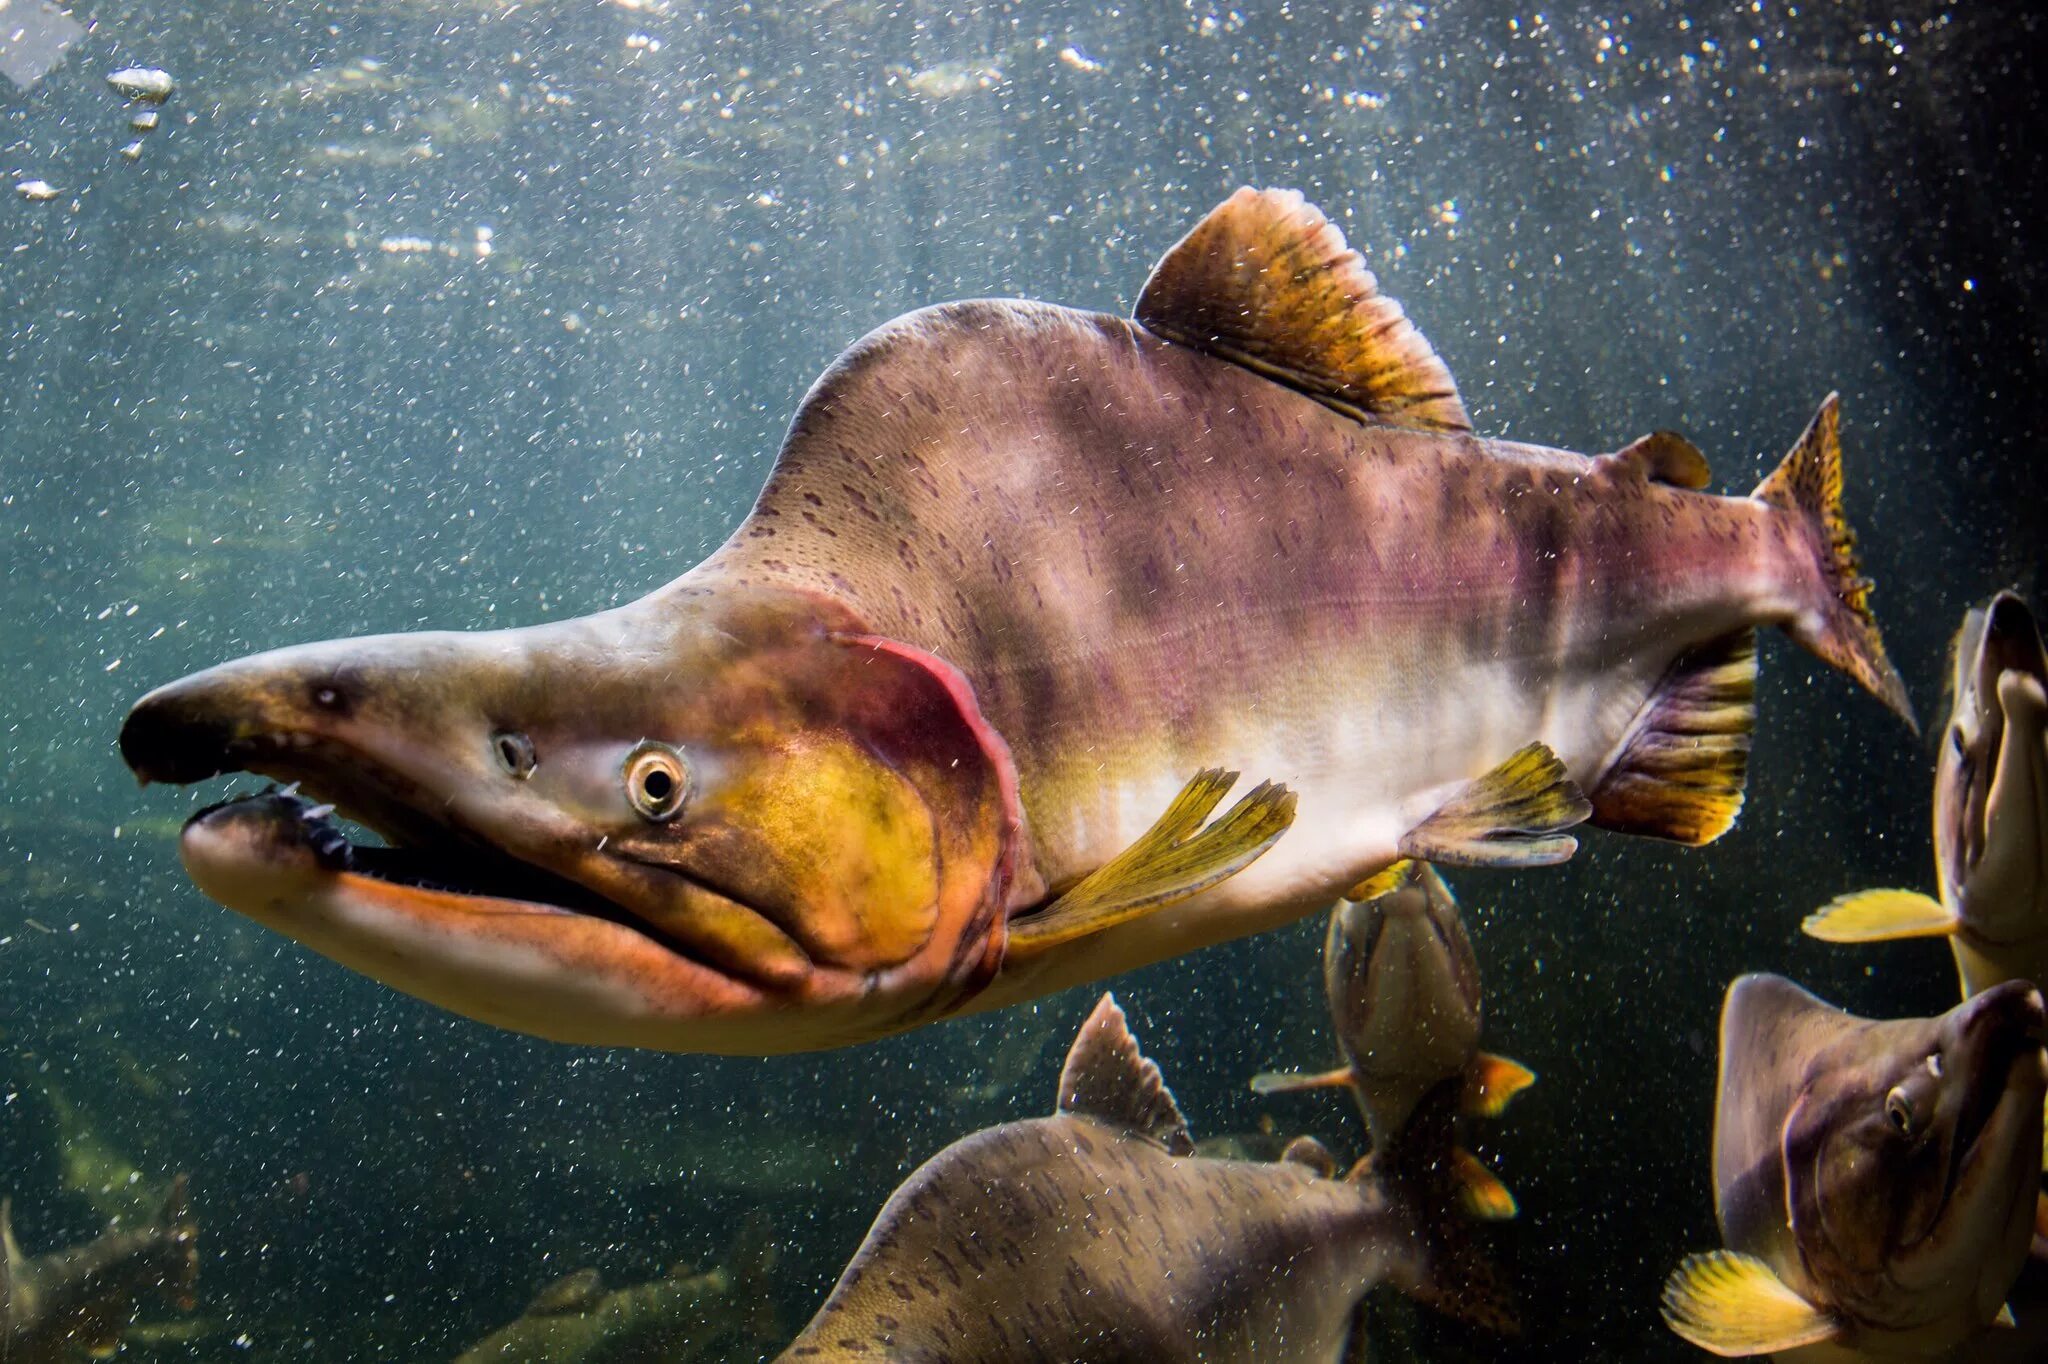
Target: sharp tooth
{"x": 317, "y": 812}
{"x": 290, "y": 790}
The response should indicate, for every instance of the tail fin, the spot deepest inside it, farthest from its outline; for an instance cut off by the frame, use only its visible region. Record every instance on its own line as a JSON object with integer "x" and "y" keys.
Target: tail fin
{"x": 1417, "y": 1175}
{"x": 1809, "y": 484}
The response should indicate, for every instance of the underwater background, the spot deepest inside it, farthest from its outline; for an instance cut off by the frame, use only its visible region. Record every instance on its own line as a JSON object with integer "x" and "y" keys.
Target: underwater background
{"x": 460, "y": 313}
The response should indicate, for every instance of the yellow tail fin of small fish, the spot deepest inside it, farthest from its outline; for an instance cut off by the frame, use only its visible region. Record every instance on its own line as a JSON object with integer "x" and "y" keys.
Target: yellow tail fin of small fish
{"x": 1809, "y": 483}
{"x": 1491, "y": 1082}
{"x": 1480, "y": 1192}
{"x": 1880, "y": 916}
{"x": 1733, "y": 1305}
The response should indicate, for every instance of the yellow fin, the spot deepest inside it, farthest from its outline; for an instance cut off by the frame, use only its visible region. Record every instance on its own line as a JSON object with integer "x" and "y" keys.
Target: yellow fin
{"x": 1878, "y": 916}
{"x": 1808, "y": 484}
{"x": 2005, "y": 1317}
{"x": 1491, "y": 1082}
{"x": 1480, "y": 1192}
{"x": 1681, "y": 772}
{"x": 1287, "y": 1082}
{"x": 1265, "y": 281}
{"x": 1733, "y": 1305}
{"x": 1514, "y": 816}
{"x": 1666, "y": 457}
{"x": 1170, "y": 862}
{"x": 1382, "y": 882}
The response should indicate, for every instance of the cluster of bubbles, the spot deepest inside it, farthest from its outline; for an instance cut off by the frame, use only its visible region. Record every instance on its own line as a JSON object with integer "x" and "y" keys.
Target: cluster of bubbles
{"x": 145, "y": 88}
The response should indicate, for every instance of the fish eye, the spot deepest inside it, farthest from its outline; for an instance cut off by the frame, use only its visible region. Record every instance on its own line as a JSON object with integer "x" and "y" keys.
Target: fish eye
{"x": 657, "y": 780}
{"x": 1898, "y": 1111}
{"x": 515, "y": 753}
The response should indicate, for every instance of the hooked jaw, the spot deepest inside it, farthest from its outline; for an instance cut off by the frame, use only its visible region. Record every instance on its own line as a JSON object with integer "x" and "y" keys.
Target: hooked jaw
{"x": 281, "y": 861}
{"x": 443, "y": 913}
{"x": 1993, "y": 1045}
{"x": 1991, "y": 784}
{"x": 726, "y": 827}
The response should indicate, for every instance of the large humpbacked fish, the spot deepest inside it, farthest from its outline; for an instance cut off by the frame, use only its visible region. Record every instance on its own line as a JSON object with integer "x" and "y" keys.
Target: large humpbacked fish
{"x": 1990, "y": 814}
{"x": 1022, "y": 579}
{"x": 1096, "y": 1234}
{"x": 1875, "y": 1181}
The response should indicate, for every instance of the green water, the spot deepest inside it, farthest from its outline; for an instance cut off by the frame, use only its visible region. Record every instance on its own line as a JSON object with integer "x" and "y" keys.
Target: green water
{"x": 461, "y": 313}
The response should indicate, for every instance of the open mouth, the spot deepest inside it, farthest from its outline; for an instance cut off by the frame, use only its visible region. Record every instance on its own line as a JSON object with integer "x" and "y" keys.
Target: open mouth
{"x": 280, "y": 824}
{"x": 2010, "y": 1066}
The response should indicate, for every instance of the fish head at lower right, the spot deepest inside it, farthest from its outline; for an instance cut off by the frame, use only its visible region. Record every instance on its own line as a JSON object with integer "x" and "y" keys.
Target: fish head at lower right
{"x": 1907, "y": 1153}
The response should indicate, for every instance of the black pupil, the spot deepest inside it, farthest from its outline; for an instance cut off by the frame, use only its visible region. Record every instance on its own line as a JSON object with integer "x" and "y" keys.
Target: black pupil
{"x": 509, "y": 751}
{"x": 657, "y": 784}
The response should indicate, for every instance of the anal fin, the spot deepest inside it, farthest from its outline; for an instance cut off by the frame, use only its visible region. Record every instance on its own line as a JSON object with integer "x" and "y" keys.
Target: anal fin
{"x": 1173, "y": 860}
{"x": 1681, "y": 772}
{"x": 1514, "y": 816}
{"x": 1289, "y": 1082}
{"x": 1733, "y": 1305}
{"x": 1490, "y": 1083}
{"x": 1880, "y": 916}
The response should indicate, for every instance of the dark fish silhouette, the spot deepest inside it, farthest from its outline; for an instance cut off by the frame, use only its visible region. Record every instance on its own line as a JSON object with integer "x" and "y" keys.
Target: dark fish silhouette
{"x": 76, "y": 1301}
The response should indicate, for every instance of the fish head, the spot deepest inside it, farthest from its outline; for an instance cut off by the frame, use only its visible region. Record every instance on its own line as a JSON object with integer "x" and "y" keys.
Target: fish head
{"x": 1991, "y": 780}
{"x": 666, "y": 824}
{"x": 1403, "y": 987}
{"x": 1908, "y": 1152}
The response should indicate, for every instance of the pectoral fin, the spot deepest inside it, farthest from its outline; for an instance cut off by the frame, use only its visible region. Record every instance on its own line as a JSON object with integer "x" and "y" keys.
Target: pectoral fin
{"x": 1288, "y": 1082}
{"x": 1733, "y": 1305}
{"x": 1514, "y": 816}
{"x": 1491, "y": 1082}
{"x": 1480, "y": 1192}
{"x": 1169, "y": 863}
{"x": 1880, "y": 915}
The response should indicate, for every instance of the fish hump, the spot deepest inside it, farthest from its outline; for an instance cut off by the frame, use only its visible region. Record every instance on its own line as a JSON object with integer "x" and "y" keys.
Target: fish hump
{"x": 1267, "y": 282}
{"x": 1107, "y": 1078}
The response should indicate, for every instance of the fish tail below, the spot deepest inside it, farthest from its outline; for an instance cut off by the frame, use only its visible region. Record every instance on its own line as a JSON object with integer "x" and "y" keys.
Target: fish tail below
{"x": 1428, "y": 1183}
{"x": 1840, "y": 629}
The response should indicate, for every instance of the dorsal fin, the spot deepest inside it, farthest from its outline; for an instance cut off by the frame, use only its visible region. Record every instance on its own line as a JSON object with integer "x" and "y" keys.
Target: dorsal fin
{"x": 1266, "y": 281}
{"x": 1666, "y": 457}
{"x": 1106, "y": 1077}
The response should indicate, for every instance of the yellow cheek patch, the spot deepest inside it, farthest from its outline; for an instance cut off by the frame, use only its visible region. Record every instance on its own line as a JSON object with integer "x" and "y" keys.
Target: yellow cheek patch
{"x": 854, "y": 848}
